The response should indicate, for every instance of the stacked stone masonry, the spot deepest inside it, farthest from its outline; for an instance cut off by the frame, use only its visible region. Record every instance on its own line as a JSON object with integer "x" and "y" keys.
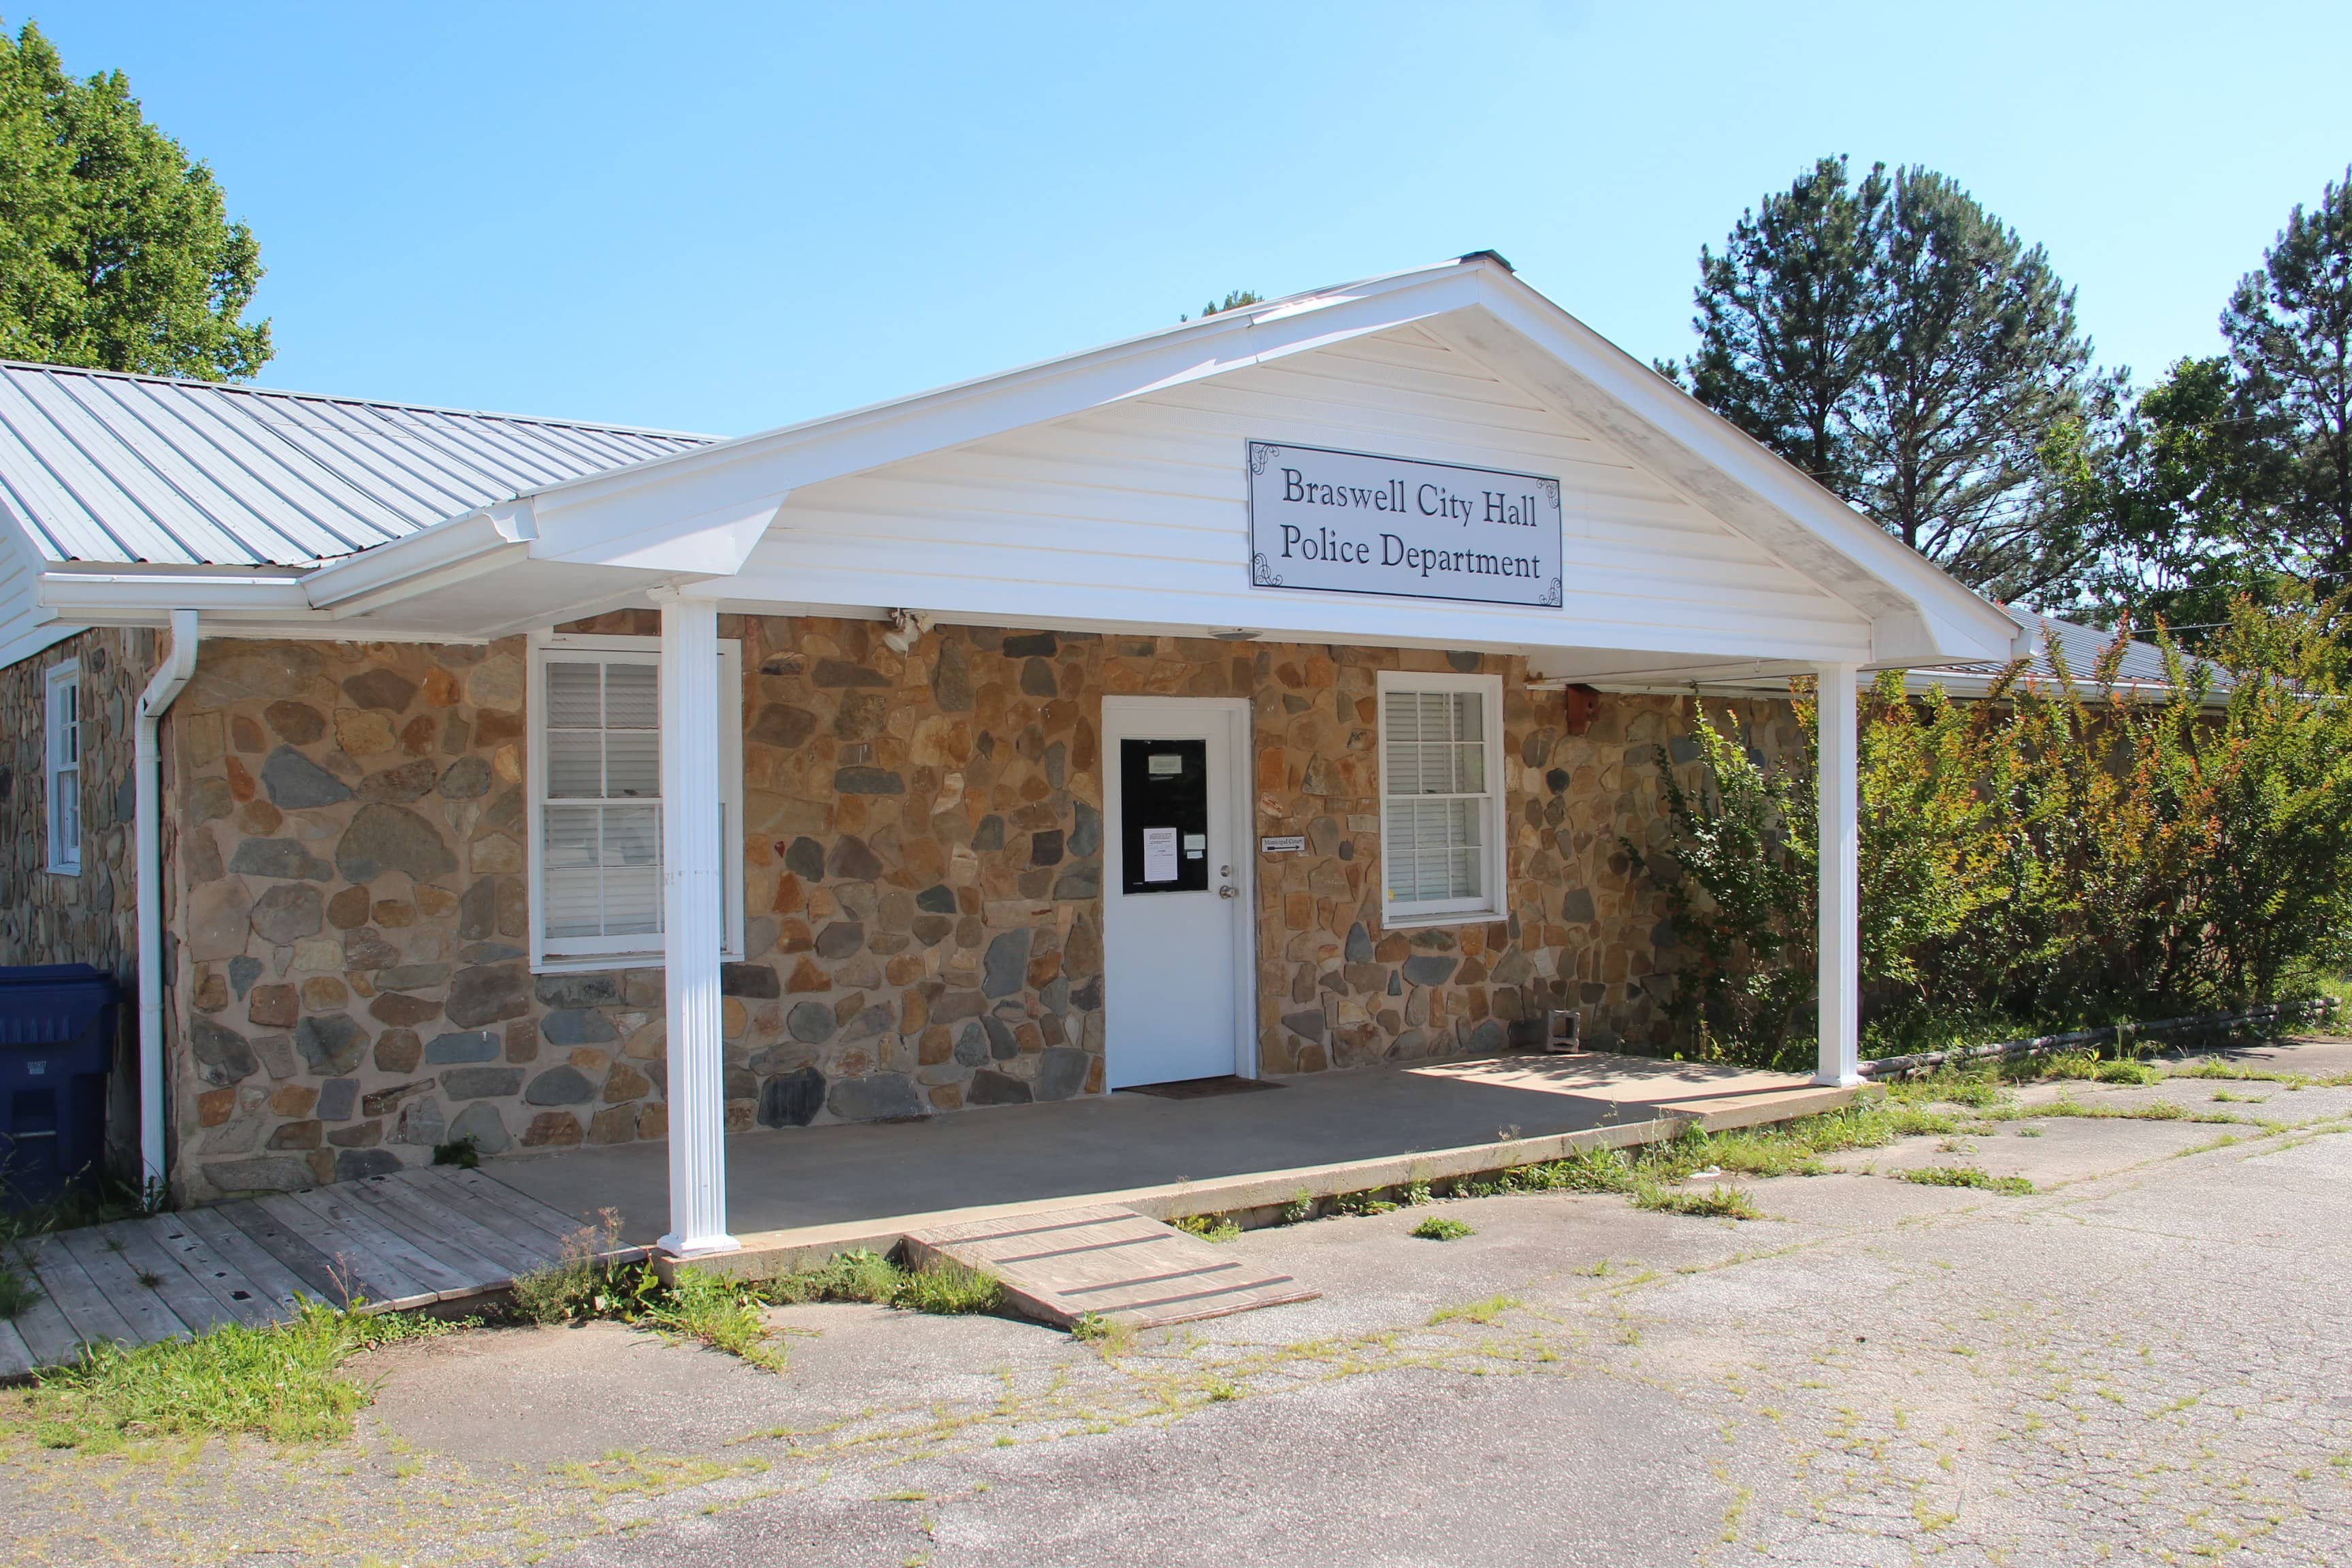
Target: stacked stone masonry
{"x": 93, "y": 918}
{"x": 923, "y": 872}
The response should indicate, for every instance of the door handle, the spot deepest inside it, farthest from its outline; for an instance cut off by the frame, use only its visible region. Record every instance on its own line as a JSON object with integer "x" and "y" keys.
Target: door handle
{"x": 1229, "y": 891}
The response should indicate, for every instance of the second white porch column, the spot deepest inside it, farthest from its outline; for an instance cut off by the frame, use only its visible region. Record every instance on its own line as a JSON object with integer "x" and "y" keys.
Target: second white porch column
{"x": 1840, "y": 939}
{"x": 693, "y": 926}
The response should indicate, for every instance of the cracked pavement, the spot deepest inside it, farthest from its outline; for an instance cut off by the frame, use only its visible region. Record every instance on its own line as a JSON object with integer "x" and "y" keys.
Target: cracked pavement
{"x": 2143, "y": 1361}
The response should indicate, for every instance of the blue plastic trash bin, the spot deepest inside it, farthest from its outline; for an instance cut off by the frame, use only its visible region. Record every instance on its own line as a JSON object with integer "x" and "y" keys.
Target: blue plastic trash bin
{"x": 57, "y": 1044}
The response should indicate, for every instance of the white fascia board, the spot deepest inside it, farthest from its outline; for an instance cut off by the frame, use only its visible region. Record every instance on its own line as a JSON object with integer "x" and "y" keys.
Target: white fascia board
{"x": 1917, "y": 610}
{"x": 724, "y": 496}
{"x": 384, "y": 574}
{"x": 1356, "y": 618}
{"x": 137, "y": 598}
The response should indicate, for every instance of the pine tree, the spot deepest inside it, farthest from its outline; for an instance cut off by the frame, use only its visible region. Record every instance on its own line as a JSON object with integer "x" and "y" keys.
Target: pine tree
{"x": 1907, "y": 350}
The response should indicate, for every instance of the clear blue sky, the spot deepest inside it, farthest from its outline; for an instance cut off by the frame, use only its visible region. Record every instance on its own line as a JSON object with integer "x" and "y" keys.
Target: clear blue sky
{"x": 725, "y": 218}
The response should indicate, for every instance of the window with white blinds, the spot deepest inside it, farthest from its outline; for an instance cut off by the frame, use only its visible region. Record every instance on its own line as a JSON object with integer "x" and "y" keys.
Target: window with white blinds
{"x": 1441, "y": 788}
{"x": 596, "y": 832}
{"x": 62, "y": 735}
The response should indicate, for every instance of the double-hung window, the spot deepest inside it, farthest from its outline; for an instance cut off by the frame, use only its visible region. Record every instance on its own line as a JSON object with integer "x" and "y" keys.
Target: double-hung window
{"x": 596, "y": 800}
{"x": 62, "y": 733}
{"x": 1441, "y": 797}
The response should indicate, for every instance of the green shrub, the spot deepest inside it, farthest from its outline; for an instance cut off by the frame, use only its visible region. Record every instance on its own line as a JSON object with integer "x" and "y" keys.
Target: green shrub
{"x": 2060, "y": 853}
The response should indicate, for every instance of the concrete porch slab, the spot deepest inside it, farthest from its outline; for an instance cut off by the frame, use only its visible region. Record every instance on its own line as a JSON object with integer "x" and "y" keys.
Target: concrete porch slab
{"x": 808, "y": 1192}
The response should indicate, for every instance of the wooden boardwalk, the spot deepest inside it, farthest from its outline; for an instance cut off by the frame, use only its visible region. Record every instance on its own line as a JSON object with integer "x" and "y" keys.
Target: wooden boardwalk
{"x": 420, "y": 1237}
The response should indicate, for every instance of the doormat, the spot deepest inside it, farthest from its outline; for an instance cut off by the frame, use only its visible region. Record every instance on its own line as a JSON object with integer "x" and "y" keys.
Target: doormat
{"x": 1200, "y": 1087}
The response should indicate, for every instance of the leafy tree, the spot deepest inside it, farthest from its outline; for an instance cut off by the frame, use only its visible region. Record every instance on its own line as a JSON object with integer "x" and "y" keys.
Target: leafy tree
{"x": 116, "y": 250}
{"x": 2290, "y": 330}
{"x": 2187, "y": 498}
{"x": 1911, "y": 353}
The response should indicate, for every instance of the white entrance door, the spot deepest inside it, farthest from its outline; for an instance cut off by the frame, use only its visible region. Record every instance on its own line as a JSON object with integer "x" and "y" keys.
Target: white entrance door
{"x": 1176, "y": 891}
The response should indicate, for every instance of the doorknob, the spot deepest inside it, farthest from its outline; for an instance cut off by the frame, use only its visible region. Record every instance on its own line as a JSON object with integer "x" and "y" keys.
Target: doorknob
{"x": 1229, "y": 891}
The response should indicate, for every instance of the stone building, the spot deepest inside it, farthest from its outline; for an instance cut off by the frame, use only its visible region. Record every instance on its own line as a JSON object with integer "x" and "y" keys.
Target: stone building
{"x": 1273, "y": 694}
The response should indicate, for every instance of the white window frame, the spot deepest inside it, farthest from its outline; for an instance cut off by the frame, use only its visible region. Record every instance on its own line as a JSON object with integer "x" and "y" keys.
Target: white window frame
{"x": 1496, "y": 903}
{"x": 560, "y": 955}
{"x": 62, "y": 747}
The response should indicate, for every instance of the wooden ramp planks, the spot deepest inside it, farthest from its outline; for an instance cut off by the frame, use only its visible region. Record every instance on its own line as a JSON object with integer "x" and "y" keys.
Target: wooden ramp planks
{"x": 1108, "y": 1262}
{"x": 409, "y": 1239}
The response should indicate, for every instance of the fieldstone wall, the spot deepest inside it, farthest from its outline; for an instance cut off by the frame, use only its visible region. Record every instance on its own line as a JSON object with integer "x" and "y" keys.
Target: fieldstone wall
{"x": 351, "y": 908}
{"x": 923, "y": 860}
{"x": 93, "y": 918}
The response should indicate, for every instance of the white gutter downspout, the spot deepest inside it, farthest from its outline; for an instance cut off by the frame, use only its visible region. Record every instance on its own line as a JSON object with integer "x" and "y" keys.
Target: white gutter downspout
{"x": 147, "y": 785}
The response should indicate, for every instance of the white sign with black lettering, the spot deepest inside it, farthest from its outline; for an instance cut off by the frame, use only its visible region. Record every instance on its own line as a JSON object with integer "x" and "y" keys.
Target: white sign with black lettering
{"x": 1159, "y": 853}
{"x": 1351, "y": 522}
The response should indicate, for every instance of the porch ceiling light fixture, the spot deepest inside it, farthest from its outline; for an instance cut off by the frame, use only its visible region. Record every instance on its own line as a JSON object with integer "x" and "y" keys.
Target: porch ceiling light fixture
{"x": 1234, "y": 634}
{"x": 906, "y": 627}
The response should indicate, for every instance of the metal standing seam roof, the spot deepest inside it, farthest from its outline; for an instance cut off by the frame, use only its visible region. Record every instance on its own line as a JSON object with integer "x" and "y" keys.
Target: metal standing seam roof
{"x": 2142, "y": 663}
{"x": 97, "y": 466}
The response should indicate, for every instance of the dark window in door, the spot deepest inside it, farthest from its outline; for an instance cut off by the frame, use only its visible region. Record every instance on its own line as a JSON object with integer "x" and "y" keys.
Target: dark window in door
{"x": 1164, "y": 815}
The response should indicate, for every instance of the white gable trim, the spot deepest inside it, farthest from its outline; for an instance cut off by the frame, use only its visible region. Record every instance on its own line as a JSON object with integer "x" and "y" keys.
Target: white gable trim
{"x": 704, "y": 515}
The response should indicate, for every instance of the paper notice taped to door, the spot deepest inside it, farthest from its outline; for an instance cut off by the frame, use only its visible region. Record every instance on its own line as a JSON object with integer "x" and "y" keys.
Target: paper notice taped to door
{"x": 1159, "y": 853}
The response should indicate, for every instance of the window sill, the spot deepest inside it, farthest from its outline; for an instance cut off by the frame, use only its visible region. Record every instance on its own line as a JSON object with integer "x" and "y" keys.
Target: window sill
{"x": 63, "y": 871}
{"x": 1390, "y": 921}
{"x": 595, "y": 962}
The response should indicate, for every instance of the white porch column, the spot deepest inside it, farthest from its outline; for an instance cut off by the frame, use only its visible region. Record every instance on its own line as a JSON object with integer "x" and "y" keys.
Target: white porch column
{"x": 1840, "y": 939}
{"x": 693, "y": 924}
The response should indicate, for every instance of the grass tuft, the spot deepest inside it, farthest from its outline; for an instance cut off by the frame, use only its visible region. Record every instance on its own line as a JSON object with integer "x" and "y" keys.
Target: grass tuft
{"x": 18, "y": 1290}
{"x": 1966, "y": 1177}
{"x": 1485, "y": 1310}
{"x": 1369, "y": 1202}
{"x": 724, "y": 1314}
{"x": 939, "y": 1286}
{"x": 949, "y": 1289}
{"x": 1214, "y": 1227}
{"x": 281, "y": 1382}
{"x": 464, "y": 1152}
{"x": 1437, "y": 1227}
{"x": 1716, "y": 1202}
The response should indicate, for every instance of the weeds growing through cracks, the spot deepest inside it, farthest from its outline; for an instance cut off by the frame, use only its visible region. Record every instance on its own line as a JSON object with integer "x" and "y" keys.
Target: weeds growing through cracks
{"x": 728, "y": 1314}
{"x": 1437, "y": 1227}
{"x": 1966, "y": 1177}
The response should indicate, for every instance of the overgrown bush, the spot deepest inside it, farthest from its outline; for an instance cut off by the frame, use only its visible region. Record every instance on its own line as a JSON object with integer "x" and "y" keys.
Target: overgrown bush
{"x": 2067, "y": 850}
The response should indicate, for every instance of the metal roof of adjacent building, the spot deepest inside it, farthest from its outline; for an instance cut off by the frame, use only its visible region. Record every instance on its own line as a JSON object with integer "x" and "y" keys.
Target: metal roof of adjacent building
{"x": 2081, "y": 648}
{"x": 97, "y": 466}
